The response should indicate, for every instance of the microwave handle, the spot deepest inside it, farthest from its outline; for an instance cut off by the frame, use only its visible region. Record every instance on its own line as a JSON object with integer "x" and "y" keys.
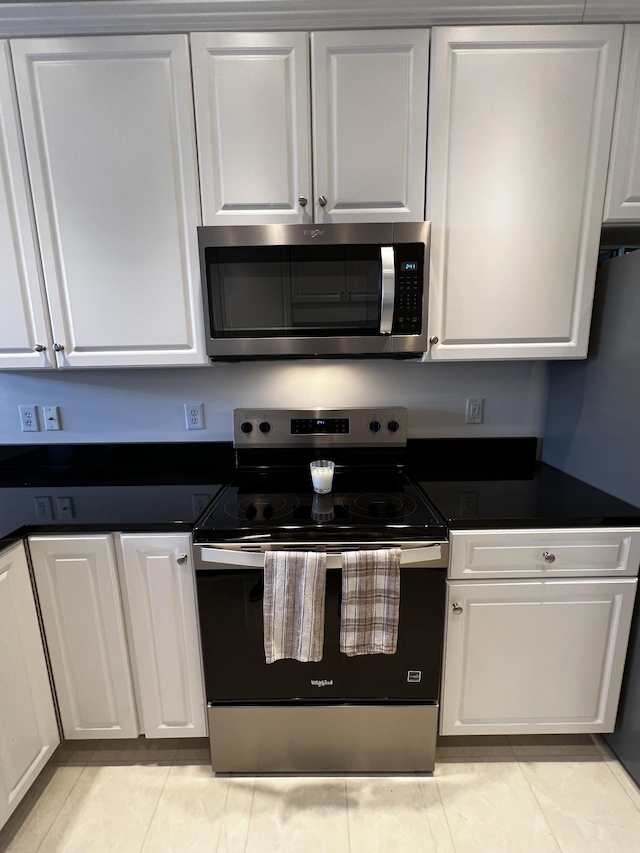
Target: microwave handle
{"x": 388, "y": 295}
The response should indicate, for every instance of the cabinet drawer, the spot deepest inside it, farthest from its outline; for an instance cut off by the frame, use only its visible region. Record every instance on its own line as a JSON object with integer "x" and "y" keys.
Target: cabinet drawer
{"x": 545, "y": 553}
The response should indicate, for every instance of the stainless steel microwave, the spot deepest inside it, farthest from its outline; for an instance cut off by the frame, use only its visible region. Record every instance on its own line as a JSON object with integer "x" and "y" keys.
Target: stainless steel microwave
{"x": 278, "y": 291}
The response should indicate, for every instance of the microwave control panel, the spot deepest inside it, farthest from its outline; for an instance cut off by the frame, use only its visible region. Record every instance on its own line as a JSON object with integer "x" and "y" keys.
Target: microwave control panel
{"x": 407, "y": 312}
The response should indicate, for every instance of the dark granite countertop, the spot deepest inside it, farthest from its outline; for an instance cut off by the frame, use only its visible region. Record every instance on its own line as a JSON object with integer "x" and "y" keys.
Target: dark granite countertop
{"x": 497, "y": 483}
{"x": 472, "y": 483}
{"x": 126, "y": 487}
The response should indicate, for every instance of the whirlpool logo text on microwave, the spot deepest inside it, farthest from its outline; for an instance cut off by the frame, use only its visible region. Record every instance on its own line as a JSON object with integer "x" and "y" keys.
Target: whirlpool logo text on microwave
{"x": 322, "y": 682}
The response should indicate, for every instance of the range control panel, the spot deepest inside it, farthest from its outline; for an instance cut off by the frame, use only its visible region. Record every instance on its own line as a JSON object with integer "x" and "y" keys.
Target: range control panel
{"x": 282, "y": 428}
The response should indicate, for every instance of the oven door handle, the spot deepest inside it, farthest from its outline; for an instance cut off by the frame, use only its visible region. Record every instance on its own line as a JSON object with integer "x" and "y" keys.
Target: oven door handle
{"x": 251, "y": 559}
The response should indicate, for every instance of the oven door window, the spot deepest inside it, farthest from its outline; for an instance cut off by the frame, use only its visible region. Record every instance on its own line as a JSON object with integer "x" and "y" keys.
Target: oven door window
{"x": 231, "y": 625}
{"x": 276, "y": 291}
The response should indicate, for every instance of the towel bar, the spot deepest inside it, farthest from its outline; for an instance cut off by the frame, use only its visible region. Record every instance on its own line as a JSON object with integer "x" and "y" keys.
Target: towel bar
{"x": 334, "y": 561}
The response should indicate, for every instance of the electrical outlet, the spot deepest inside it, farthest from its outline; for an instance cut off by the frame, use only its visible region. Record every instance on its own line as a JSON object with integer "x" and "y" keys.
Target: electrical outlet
{"x": 51, "y": 417}
{"x": 468, "y": 504}
{"x": 475, "y": 410}
{"x": 65, "y": 508}
{"x": 29, "y": 418}
{"x": 44, "y": 508}
{"x": 194, "y": 415}
{"x": 200, "y": 503}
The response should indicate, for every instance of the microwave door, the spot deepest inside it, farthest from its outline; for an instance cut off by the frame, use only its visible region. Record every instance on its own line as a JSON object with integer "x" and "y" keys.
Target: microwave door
{"x": 388, "y": 289}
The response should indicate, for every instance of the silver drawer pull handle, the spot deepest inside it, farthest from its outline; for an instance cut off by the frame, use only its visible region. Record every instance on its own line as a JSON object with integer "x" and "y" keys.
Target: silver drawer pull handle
{"x": 457, "y": 609}
{"x": 182, "y": 560}
{"x": 549, "y": 558}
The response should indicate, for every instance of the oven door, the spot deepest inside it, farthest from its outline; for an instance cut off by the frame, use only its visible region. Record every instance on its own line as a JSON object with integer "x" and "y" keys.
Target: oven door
{"x": 231, "y": 625}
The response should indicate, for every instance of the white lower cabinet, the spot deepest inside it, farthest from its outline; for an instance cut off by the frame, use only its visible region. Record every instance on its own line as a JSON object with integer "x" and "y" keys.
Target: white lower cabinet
{"x": 28, "y": 728}
{"x": 535, "y": 656}
{"x": 158, "y": 582}
{"x": 113, "y": 677}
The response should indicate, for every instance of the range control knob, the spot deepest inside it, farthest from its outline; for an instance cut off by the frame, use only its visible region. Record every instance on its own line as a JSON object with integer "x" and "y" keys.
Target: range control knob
{"x": 375, "y": 426}
{"x": 393, "y": 426}
{"x": 265, "y": 427}
{"x": 246, "y": 427}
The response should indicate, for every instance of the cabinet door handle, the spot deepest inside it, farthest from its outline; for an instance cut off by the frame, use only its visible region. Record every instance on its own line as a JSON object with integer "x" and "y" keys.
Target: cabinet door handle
{"x": 457, "y": 608}
{"x": 322, "y": 200}
{"x": 39, "y": 348}
{"x": 548, "y": 558}
{"x": 58, "y": 347}
{"x": 302, "y": 201}
{"x": 182, "y": 560}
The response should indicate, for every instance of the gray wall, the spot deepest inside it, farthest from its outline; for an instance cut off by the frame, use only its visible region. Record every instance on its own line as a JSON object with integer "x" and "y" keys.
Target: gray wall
{"x": 592, "y": 428}
{"x": 147, "y": 405}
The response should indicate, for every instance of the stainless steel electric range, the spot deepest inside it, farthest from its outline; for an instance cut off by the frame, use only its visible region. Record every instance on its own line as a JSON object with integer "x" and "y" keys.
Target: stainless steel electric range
{"x": 368, "y": 713}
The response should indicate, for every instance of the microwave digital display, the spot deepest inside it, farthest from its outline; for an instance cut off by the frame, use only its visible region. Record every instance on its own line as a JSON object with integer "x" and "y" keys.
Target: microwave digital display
{"x": 409, "y": 266}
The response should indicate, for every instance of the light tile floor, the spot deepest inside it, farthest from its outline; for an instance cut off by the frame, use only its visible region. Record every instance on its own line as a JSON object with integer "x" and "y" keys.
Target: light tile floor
{"x": 488, "y": 795}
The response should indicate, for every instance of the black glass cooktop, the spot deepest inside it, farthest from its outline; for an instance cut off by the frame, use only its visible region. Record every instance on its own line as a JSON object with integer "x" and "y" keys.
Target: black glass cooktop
{"x": 282, "y": 505}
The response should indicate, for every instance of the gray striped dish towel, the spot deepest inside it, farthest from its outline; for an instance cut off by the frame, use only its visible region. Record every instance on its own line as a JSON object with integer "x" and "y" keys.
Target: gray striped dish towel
{"x": 293, "y": 605}
{"x": 370, "y": 602}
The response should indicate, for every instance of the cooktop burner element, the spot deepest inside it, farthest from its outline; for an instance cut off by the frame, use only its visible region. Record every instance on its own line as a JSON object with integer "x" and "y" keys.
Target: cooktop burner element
{"x": 260, "y": 507}
{"x": 271, "y": 496}
{"x": 383, "y": 507}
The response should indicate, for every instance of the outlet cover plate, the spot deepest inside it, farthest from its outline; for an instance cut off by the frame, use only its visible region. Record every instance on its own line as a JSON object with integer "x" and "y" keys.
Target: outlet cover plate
{"x": 29, "y": 418}
{"x": 475, "y": 410}
{"x": 194, "y": 415}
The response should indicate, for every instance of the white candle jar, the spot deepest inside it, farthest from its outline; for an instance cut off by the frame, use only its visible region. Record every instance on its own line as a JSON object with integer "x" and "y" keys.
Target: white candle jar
{"x": 322, "y": 475}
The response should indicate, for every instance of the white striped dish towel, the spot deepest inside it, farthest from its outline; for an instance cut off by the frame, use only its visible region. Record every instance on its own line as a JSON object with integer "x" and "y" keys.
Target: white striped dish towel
{"x": 294, "y": 604}
{"x": 370, "y": 602}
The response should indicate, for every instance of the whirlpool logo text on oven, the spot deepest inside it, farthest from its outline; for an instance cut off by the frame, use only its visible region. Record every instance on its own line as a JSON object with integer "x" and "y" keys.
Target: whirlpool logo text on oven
{"x": 323, "y": 682}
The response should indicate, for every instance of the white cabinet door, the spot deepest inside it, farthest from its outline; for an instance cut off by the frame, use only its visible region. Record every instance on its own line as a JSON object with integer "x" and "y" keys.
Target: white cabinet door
{"x": 520, "y": 127}
{"x": 370, "y": 124}
{"x": 535, "y": 656}
{"x": 157, "y": 573}
{"x": 623, "y": 188}
{"x": 23, "y": 324}
{"x": 109, "y": 136}
{"x": 253, "y": 121}
{"x": 77, "y": 580}
{"x": 28, "y": 728}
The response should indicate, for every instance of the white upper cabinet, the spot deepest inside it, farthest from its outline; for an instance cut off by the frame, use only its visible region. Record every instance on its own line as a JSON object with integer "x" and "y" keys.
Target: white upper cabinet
{"x": 109, "y": 135}
{"x": 254, "y": 102}
{"x": 24, "y": 335}
{"x": 252, "y": 114}
{"x": 520, "y": 127}
{"x": 623, "y": 188}
{"x": 369, "y": 125}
